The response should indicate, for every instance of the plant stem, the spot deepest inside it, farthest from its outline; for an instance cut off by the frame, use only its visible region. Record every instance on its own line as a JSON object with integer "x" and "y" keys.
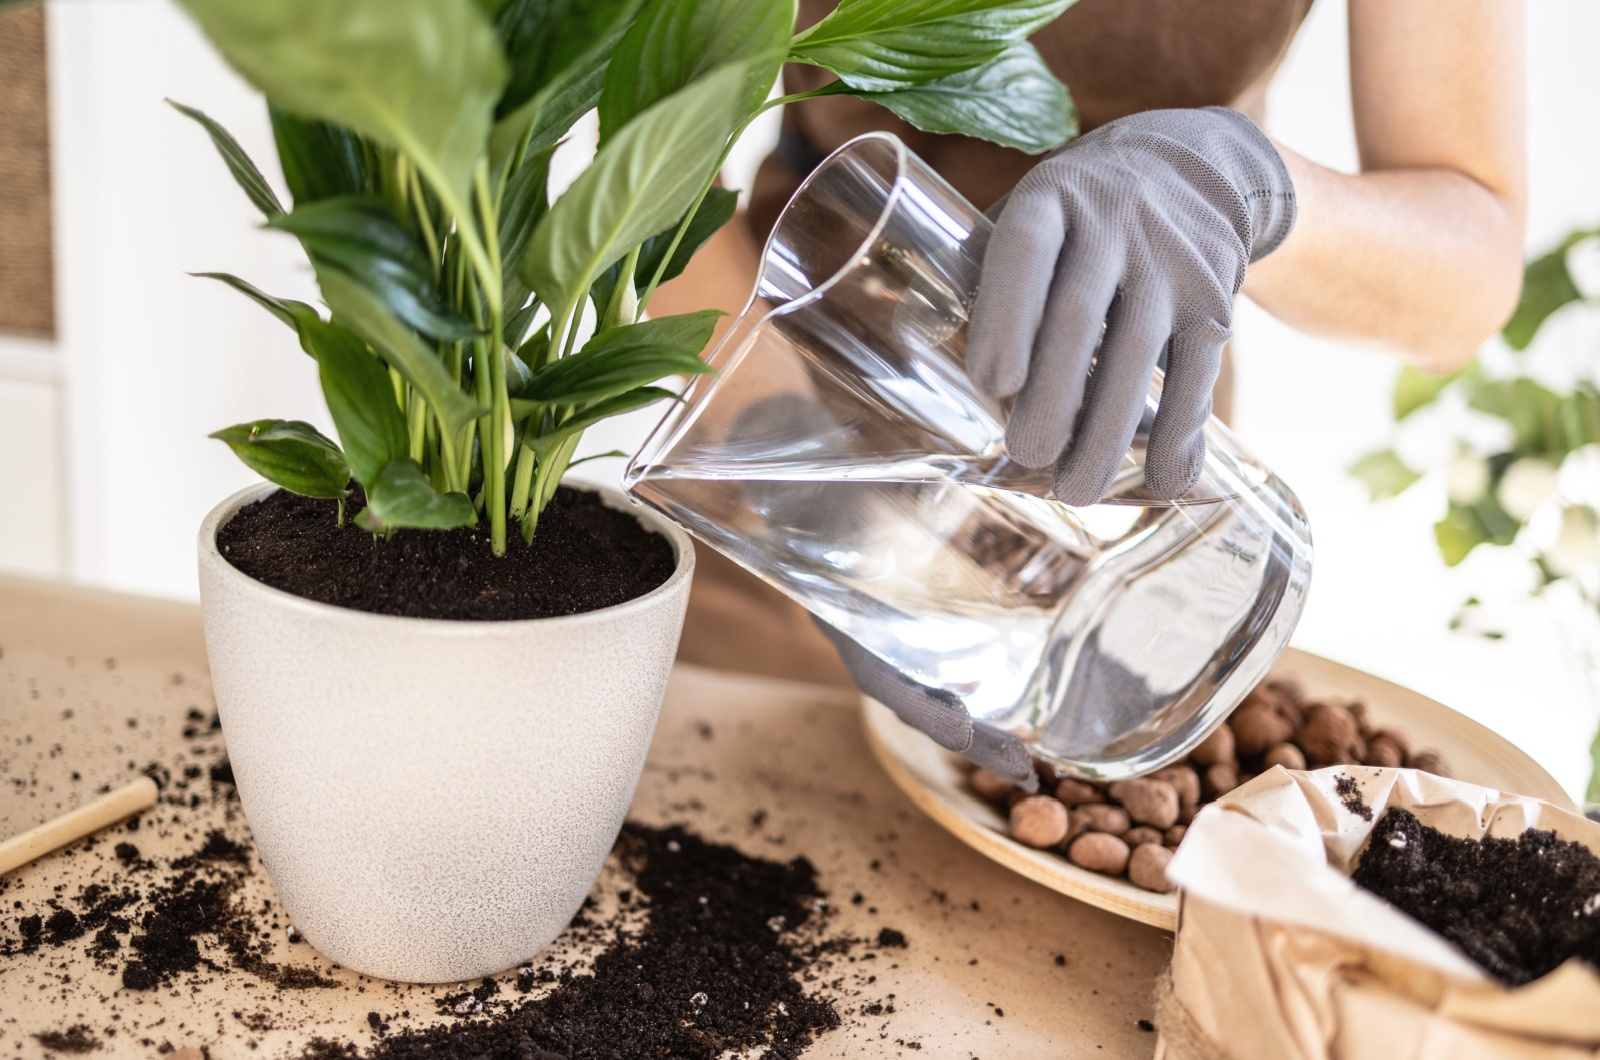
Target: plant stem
{"x": 497, "y": 425}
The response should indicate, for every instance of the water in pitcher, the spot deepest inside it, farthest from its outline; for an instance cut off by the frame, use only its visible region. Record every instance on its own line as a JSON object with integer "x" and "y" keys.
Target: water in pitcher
{"x": 842, "y": 455}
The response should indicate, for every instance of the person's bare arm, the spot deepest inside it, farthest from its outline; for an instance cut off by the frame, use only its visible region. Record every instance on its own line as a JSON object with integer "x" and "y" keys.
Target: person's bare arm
{"x": 1422, "y": 250}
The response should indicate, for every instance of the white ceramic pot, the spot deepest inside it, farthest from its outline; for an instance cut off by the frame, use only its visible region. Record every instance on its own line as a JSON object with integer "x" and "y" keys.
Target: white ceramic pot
{"x": 433, "y": 799}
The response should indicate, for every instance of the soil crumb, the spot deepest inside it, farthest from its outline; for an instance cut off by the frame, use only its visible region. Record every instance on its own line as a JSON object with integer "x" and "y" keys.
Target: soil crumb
{"x": 708, "y": 975}
{"x": 1349, "y": 792}
{"x": 76, "y": 1039}
{"x": 584, "y": 557}
{"x": 1519, "y": 907}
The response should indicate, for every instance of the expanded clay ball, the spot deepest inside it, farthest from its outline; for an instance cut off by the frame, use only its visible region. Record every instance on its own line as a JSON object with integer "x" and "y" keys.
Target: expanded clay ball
{"x": 1147, "y": 868}
{"x": 989, "y": 785}
{"x": 1428, "y": 762}
{"x": 1141, "y": 835}
{"x": 1220, "y": 779}
{"x": 1077, "y": 792}
{"x": 1175, "y": 835}
{"x": 1331, "y": 735}
{"x": 1039, "y": 821}
{"x": 1099, "y": 817}
{"x": 1382, "y": 751}
{"x": 1184, "y": 780}
{"x": 1257, "y": 726}
{"x": 1286, "y": 755}
{"x": 1214, "y": 749}
{"x": 1099, "y": 852}
{"x": 1151, "y": 802}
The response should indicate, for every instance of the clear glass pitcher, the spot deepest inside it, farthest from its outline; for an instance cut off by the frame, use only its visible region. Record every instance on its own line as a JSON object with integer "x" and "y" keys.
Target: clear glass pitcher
{"x": 841, "y": 454}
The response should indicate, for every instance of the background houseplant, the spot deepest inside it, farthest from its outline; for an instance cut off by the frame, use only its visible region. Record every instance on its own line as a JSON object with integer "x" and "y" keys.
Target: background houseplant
{"x": 415, "y": 137}
{"x": 1521, "y": 456}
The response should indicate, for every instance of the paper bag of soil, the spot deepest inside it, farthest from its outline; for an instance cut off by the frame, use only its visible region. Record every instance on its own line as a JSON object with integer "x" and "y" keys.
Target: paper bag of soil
{"x": 1279, "y": 955}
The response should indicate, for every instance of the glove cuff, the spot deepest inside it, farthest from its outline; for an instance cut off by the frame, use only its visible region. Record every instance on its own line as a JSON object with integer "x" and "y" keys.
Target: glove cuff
{"x": 1262, "y": 179}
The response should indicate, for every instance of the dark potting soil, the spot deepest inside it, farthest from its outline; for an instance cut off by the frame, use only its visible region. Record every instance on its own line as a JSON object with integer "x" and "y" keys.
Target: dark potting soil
{"x": 585, "y": 556}
{"x": 716, "y": 969}
{"x": 1519, "y": 907}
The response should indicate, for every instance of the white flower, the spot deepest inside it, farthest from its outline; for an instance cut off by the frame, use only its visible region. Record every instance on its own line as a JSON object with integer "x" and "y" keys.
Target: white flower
{"x": 1577, "y": 547}
{"x": 1526, "y": 484}
{"x": 1467, "y": 478}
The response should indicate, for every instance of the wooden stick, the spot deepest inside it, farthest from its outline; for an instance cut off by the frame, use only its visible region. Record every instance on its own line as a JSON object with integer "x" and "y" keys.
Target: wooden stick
{"x": 74, "y": 825}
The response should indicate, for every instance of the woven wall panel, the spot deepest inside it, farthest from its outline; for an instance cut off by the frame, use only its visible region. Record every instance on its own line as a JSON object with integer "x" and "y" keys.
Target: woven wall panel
{"x": 27, "y": 289}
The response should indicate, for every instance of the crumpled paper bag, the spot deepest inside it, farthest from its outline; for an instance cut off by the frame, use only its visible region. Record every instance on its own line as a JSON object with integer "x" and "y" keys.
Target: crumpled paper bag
{"x": 1280, "y": 956}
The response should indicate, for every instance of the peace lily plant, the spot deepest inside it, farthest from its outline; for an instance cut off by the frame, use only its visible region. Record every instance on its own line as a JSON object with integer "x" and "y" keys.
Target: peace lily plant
{"x": 433, "y": 798}
{"x": 415, "y": 137}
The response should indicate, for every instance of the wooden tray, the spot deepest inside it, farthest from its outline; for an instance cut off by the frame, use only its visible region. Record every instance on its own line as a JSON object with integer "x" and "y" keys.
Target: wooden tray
{"x": 933, "y": 779}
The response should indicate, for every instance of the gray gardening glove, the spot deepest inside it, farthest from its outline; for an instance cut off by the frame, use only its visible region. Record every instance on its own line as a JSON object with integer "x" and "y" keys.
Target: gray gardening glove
{"x": 1144, "y": 225}
{"x": 935, "y": 712}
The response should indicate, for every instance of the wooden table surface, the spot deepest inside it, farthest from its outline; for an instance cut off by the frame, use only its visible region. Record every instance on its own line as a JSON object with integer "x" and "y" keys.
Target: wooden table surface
{"x": 95, "y": 687}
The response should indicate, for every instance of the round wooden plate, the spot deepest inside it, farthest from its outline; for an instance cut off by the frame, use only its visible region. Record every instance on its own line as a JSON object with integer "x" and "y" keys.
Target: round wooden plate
{"x": 935, "y": 780}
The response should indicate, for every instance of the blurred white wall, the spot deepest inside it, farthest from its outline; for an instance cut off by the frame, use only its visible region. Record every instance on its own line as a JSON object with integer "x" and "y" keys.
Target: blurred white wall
{"x": 110, "y": 477}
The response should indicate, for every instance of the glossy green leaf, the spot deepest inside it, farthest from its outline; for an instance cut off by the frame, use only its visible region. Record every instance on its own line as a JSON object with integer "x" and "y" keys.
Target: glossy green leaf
{"x": 287, "y": 310}
{"x": 716, "y": 210}
{"x": 881, "y": 45}
{"x": 418, "y": 76}
{"x": 291, "y": 454}
{"x": 360, "y": 397}
{"x": 674, "y": 42}
{"x": 321, "y": 160}
{"x": 244, "y": 171}
{"x": 558, "y": 52}
{"x": 1466, "y": 526}
{"x": 361, "y": 237}
{"x": 362, "y": 312}
{"x": 401, "y": 497}
{"x": 1532, "y": 410}
{"x": 523, "y": 205}
{"x": 604, "y": 410}
{"x": 644, "y": 179}
{"x": 1384, "y": 474}
{"x": 1546, "y": 287}
{"x": 622, "y": 358}
{"x": 1012, "y": 100}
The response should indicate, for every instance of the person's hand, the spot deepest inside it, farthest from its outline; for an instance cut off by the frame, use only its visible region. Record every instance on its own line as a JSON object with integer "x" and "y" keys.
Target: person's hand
{"x": 1144, "y": 225}
{"x": 935, "y": 712}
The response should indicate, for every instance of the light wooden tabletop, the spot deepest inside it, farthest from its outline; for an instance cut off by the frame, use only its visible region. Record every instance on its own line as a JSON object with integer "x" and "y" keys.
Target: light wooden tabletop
{"x": 95, "y": 687}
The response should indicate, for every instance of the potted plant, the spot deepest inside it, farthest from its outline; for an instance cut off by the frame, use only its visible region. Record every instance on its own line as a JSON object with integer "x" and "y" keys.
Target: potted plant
{"x": 435, "y": 717}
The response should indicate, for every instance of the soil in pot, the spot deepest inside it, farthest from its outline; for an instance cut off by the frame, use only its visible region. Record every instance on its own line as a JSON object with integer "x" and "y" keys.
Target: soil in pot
{"x": 585, "y": 556}
{"x": 1519, "y": 907}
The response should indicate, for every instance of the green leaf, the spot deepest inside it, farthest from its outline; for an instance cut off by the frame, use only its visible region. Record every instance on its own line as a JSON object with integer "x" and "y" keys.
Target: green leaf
{"x": 1012, "y": 100}
{"x": 418, "y": 76}
{"x": 1413, "y": 389}
{"x": 543, "y": 444}
{"x": 716, "y": 210}
{"x": 622, "y": 358}
{"x": 674, "y": 42}
{"x": 522, "y": 206}
{"x": 360, "y": 236}
{"x": 360, "y": 397}
{"x": 1532, "y": 410}
{"x": 402, "y": 497}
{"x": 1546, "y": 287}
{"x": 644, "y": 179}
{"x": 292, "y": 454}
{"x": 359, "y": 310}
{"x": 558, "y": 50}
{"x": 1466, "y": 526}
{"x": 882, "y": 45}
{"x": 285, "y": 309}
{"x": 1384, "y": 474}
{"x": 244, "y": 171}
{"x": 321, "y": 160}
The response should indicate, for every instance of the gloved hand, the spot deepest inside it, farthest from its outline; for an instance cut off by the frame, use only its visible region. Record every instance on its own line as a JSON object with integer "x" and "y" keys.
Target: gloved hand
{"x": 1144, "y": 225}
{"x": 935, "y": 712}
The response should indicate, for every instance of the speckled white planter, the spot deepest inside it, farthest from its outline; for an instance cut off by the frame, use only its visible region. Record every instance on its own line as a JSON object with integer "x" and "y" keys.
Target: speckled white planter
{"x": 433, "y": 799}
